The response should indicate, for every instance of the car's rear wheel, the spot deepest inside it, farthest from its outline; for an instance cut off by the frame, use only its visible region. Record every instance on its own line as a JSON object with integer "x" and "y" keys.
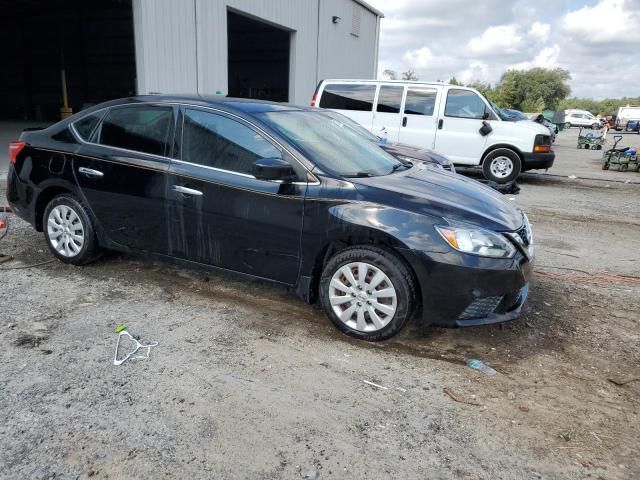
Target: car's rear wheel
{"x": 69, "y": 231}
{"x": 595, "y": 126}
{"x": 501, "y": 165}
{"x": 567, "y": 125}
{"x": 368, "y": 292}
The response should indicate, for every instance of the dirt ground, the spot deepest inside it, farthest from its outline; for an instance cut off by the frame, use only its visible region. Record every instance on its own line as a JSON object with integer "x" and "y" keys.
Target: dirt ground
{"x": 249, "y": 382}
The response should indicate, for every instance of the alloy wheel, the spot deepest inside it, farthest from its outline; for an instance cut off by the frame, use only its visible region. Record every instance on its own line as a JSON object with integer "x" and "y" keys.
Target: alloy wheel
{"x": 362, "y": 297}
{"x": 65, "y": 231}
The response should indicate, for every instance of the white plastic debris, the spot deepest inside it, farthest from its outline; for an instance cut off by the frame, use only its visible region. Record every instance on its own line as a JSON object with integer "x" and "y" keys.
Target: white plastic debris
{"x": 137, "y": 346}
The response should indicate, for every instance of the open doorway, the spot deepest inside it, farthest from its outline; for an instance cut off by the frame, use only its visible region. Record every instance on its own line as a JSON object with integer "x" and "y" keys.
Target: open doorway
{"x": 258, "y": 59}
{"x": 93, "y": 42}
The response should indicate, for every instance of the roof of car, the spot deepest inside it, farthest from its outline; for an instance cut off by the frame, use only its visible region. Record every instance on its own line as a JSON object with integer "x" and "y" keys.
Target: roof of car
{"x": 245, "y": 105}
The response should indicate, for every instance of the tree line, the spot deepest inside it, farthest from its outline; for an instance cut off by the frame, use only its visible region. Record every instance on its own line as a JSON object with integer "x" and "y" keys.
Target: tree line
{"x": 533, "y": 91}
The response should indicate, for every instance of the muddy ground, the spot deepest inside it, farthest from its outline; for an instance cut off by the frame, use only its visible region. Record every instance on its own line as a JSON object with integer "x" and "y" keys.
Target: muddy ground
{"x": 249, "y": 382}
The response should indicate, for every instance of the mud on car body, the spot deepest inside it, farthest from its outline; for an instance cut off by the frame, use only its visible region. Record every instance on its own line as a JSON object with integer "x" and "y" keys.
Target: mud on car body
{"x": 280, "y": 193}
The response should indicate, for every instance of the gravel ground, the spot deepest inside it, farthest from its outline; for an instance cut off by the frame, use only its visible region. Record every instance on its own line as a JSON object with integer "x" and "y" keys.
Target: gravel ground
{"x": 248, "y": 382}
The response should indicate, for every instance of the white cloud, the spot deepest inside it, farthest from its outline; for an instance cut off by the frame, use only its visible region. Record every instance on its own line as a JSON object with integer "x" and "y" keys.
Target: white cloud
{"x": 539, "y": 31}
{"x": 498, "y": 40}
{"x": 547, "y": 58}
{"x": 476, "y": 71}
{"x": 607, "y": 21}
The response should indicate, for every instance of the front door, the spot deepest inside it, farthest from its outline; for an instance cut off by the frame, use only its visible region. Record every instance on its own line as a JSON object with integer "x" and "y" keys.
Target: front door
{"x": 386, "y": 114}
{"x": 219, "y": 213}
{"x": 418, "y": 124}
{"x": 459, "y": 126}
{"x": 121, "y": 172}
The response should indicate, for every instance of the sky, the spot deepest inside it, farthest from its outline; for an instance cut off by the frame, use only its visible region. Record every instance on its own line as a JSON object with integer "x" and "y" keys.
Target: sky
{"x": 597, "y": 41}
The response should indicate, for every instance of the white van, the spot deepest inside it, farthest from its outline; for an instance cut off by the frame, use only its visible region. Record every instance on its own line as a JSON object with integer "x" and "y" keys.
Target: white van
{"x": 455, "y": 121}
{"x": 625, "y": 115}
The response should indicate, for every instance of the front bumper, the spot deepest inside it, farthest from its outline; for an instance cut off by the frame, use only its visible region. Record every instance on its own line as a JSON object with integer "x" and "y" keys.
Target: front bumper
{"x": 459, "y": 290}
{"x": 534, "y": 161}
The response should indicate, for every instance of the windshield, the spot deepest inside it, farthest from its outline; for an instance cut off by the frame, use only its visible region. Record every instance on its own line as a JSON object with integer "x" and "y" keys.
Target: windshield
{"x": 349, "y": 123}
{"x": 338, "y": 150}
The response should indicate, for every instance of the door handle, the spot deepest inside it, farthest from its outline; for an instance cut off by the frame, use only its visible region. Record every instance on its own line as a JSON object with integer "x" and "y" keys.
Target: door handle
{"x": 187, "y": 191}
{"x": 440, "y": 122}
{"x": 90, "y": 172}
{"x": 404, "y": 121}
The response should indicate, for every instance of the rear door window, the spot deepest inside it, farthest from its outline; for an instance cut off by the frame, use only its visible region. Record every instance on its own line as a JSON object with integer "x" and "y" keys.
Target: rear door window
{"x": 389, "y": 99}
{"x": 348, "y": 97}
{"x": 420, "y": 101}
{"x": 464, "y": 104}
{"x": 85, "y": 126}
{"x": 217, "y": 141}
{"x": 139, "y": 128}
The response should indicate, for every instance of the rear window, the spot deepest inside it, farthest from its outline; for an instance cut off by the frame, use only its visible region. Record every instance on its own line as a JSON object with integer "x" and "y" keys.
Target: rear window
{"x": 348, "y": 97}
{"x": 85, "y": 126}
{"x": 142, "y": 129}
{"x": 389, "y": 99}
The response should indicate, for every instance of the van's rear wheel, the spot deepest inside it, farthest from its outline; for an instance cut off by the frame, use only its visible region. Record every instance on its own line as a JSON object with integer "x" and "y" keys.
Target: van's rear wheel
{"x": 368, "y": 292}
{"x": 501, "y": 165}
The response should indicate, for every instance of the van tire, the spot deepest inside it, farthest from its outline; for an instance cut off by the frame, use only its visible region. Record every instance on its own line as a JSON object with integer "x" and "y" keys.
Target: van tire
{"x": 501, "y": 165}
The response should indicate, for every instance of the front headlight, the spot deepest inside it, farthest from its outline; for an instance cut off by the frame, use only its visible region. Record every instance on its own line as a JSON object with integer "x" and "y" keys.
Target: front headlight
{"x": 477, "y": 241}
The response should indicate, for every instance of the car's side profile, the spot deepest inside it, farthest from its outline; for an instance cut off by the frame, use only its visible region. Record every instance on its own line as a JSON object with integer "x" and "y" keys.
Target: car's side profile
{"x": 579, "y": 119}
{"x": 280, "y": 193}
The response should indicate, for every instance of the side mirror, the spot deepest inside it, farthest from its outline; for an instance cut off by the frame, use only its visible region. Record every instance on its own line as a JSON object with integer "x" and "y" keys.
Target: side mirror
{"x": 486, "y": 115}
{"x": 273, "y": 169}
{"x": 485, "y": 129}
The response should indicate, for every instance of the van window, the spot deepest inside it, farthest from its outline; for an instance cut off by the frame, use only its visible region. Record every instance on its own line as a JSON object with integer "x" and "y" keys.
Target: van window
{"x": 140, "y": 128}
{"x": 348, "y": 97}
{"x": 464, "y": 104}
{"x": 389, "y": 99}
{"x": 420, "y": 101}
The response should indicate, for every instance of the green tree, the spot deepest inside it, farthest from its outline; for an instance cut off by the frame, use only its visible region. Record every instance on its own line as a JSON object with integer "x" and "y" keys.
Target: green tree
{"x": 534, "y": 88}
{"x": 409, "y": 75}
{"x": 453, "y": 81}
{"x": 390, "y": 74}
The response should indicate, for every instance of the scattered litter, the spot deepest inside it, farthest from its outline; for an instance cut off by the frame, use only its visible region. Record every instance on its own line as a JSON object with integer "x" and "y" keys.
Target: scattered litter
{"x": 623, "y": 382}
{"x": 310, "y": 474}
{"x": 375, "y": 385}
{"x": 122, "y": 330}
{"x": 458, "y": 399}
{"x": 572, "y": 177}
{"x": 86, "y": 304}
{"x": 547, "y": 304}
{"x": 523, "y": 408}
{"x": 400, "y": 389}
{"x": 480, "y": 366}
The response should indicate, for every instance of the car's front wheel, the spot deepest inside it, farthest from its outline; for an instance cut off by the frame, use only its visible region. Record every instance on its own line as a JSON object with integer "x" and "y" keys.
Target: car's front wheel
{"x": 368, "y": 292}
{"x": 69, "y": 231}
{"x": 501, "y": 165}
{"x": 567, "y": 125}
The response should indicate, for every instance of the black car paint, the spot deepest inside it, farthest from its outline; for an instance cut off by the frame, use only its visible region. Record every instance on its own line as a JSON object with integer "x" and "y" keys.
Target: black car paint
{"x": 283, "y": 232}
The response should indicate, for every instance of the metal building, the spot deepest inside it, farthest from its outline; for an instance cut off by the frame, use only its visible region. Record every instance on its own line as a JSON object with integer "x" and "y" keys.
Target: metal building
{"x": 270, "y": 49}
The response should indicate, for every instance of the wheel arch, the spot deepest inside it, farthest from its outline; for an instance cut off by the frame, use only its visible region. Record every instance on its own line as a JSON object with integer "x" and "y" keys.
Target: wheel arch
{"x": 498, "y": 146}
{"x": 44, "y": 197}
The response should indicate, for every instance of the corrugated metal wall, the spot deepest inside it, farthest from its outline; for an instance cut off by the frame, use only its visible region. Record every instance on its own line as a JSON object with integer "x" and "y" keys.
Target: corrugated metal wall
{"x": 181, "y": 45}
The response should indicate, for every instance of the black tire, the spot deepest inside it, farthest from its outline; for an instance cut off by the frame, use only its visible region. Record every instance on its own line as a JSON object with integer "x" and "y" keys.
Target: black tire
{"x": 605, "y": 166}
{"x": 495, "y": 154}
{"x": 395, "y": 270}
{"x": 90, "y": 250}
{"x": 595, "y": 126}
{"x": 567, "y": 125}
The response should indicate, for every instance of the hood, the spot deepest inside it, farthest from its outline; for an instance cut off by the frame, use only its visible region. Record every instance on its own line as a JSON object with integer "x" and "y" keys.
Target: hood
{"x": 440, "y": 194}
{"x": 532, "y": 126}
{"x": 423, "y": 154}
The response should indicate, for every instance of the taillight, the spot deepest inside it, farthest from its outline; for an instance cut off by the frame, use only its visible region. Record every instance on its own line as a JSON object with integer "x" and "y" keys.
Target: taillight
{"x": 313, "y": 99}
{"x": 15, "y": 148}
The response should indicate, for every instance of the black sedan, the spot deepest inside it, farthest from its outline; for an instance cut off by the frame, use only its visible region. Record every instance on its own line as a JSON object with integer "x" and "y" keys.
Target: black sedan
{"x": 281, "y": 193}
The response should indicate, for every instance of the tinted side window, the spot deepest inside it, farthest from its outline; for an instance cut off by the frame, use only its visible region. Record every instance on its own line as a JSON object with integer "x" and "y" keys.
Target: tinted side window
{"x": 348, "y": 97}
{"x": 420, "y": 101}
{"x": 143, "y": 129}
{"x": 86, "y": 125}
{"x": 464, "y": 104}
{"x": 389, "y": 99}
{"x": 217, "y": 141}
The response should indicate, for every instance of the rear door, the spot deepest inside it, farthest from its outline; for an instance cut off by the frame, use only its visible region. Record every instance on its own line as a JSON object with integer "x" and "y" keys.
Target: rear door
{"x": 354, "y": 100}
{"x": 419, "y": 116}
{"x": 121, "y": 171}
{"x": 386, "y": 114}
{"x": 459, "y": 126}
{"x": 219, "y": 213}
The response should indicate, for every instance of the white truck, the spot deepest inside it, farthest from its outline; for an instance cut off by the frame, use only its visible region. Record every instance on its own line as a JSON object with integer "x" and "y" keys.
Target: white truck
{"x": 625, "y": 115}
{"x": 455, "y": 121}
